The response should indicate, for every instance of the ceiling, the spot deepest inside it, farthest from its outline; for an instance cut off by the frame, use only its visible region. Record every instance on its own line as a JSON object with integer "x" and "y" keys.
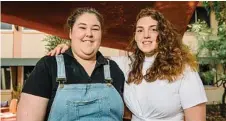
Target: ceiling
{"x": 50, "y": 17}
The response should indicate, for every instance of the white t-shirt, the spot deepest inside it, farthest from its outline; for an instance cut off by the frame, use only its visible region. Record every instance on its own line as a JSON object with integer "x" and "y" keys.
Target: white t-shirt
{"x": 160, "y": 100}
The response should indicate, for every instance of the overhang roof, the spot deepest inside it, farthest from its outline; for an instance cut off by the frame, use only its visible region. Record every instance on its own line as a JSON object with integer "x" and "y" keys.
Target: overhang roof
{"x": 50, "y": 17}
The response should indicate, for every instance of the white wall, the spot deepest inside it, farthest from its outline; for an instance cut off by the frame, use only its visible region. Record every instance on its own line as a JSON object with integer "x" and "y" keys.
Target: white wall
{"x": 190, "y": 40}
{"x": 32, "y": 45}
{"x": 6, "y": 44}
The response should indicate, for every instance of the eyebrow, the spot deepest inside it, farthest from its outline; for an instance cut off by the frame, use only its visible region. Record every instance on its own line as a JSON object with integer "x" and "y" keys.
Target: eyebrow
{"x": 81, "y": 24}
{"x": 143, "y": 27}
{"x": 95, "y": 25}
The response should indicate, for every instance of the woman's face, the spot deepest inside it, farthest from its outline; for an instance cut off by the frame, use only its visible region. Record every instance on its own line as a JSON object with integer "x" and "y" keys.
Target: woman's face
{"x": 146, "y": 34}
{"x": 86, "y": 36}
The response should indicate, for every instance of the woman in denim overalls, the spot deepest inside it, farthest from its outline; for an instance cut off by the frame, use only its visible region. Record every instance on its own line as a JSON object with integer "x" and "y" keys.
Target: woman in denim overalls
{"x": 78, "y": 102}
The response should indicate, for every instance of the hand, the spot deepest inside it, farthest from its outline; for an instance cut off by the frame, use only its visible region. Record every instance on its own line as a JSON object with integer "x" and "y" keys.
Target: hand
{"x": 61, "y": 48}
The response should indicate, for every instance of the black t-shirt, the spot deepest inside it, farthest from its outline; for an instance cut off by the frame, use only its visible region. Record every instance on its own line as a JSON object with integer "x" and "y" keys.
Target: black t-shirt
{"x": 42, "y": 80}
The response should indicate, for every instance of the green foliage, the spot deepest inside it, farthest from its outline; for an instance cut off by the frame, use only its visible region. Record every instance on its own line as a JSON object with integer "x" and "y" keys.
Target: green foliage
{"x": 213, "y": 46}
{"x": 208, "y": 75}
{"x": 17, "y": 91}
{"x": 53, "y": 41}
{"x": 201, "y": 29}
{"x": 222, "y": 43}
{"x": 219, "y": 7}
{"x": 203, "y": 33}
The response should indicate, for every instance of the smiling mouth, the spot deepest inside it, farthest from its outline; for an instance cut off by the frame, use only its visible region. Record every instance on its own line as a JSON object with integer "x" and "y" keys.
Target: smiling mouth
{"x": 88, "y": 41}
{"x": 146, "y": 42}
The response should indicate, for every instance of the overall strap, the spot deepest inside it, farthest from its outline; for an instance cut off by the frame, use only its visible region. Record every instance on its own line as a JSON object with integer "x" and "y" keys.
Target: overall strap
{"x": 61, "y": 74}
{"x": 107, "y": 72}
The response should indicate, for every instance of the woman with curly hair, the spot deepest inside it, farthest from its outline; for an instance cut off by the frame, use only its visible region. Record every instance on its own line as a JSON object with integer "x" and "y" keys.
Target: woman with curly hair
{"x": 162, "y": 82}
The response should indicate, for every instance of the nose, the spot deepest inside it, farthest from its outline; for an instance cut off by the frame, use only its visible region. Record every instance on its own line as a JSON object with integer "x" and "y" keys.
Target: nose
{"x": 89, "y": 33}
{"x": 146, "y": 35}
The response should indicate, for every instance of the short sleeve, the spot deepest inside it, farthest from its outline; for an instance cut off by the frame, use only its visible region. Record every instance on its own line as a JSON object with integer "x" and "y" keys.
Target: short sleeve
{"x": 39, "y": 81}
{"x": 191, "y": 91}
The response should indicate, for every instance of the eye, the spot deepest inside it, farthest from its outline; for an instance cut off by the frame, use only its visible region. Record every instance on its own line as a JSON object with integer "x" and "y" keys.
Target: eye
{"x": 95, "y": 29}
{"x": 81, "y": 27}
{"x": 154, "y": 29}
{"x": 139, "y": 30}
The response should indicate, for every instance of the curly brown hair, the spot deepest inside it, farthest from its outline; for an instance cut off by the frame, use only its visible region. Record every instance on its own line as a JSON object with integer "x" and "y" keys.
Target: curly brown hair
{"x": 171, "y": 54}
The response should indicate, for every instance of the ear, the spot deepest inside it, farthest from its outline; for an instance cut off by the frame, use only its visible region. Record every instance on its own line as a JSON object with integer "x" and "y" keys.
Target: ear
{"x": 70, "y": 32}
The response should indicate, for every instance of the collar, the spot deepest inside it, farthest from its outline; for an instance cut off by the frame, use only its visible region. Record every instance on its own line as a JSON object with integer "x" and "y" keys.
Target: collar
{"x": 100, "y": 58}
{"x": 150, "y": 59}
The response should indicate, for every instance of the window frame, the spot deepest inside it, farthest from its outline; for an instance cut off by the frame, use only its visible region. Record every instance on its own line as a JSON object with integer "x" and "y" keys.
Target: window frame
{"x": 10, "y": 79}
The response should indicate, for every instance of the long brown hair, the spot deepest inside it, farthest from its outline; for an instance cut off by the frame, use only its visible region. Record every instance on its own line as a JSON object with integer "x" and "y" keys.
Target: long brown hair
{"x": 171, "y": 54}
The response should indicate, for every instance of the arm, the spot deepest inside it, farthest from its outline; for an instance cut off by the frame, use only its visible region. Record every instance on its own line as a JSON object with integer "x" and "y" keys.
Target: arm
{"x": 31, "y": 108}
{"x": 196, "y": 113}
{"x": 193, "y": 96}
{"x": 36, "y": 93}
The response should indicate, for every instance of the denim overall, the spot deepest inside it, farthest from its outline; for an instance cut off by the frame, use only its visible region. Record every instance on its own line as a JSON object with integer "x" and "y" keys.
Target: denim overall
{"x": 85, "y": 102}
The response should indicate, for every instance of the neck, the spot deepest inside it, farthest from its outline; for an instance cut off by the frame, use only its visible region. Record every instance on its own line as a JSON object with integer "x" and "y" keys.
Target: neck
{"x": 85, "y": 61}
{"x": 150, "y": 54}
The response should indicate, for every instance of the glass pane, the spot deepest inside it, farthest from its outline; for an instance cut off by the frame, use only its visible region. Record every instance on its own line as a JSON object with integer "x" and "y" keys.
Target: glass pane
{"x": 27, "y": 72}
{"x": 24, "y": 28}
{"x": 192, "y": 21}
{"x": 5, "y": 78}
{"x": 6, "y": 26}
{"x": 207, "y": 74}
{"x": 203, "y": 15}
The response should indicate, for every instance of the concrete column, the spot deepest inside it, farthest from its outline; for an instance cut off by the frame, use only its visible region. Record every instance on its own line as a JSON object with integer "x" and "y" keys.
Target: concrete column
{"x": 17, "y": 41}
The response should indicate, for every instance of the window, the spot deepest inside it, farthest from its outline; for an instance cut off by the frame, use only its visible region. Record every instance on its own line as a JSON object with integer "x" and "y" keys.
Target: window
{"x": 202, "y": 14}
{"x": 5, "y": 78}
{"x": 27, "y": 72}
{"x": 24, "y": 28}
{"x": 28, "y": 29}
{"x": 6, "y": 26}
{"x": 207, "y": 74}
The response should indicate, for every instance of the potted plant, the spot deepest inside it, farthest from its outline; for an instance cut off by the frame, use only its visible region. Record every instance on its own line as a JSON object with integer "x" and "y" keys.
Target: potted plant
{"x": 52, "y": 41}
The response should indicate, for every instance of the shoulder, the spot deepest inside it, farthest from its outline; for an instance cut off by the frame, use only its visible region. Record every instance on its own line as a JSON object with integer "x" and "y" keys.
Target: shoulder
{"x": 50, "y": 61}
{"x": 191, "y": 79}
{"x": 39, "y": 82}
{"x": 191, "y": 90}
{"x": 189, "y": 72}
{"x": 116, "y": 71}
{"x": 115, "y": 67}
{"x": 120, "y": 59}
{"x": 45, "y": 66}
{"x": 123, "y": 62}
{"x": 117, "y": 75}
{"x": 46, "y": 60}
